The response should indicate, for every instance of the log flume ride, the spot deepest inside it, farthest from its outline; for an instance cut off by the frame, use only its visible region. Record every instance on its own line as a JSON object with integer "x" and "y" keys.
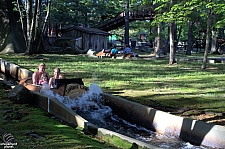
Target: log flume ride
{"x": 73, "y": 88}
{"x": 196, "y": 132}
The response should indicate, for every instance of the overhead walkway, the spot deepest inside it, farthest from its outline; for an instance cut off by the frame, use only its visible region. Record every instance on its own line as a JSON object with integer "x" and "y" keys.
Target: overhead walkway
{"x": 140, "y": 13}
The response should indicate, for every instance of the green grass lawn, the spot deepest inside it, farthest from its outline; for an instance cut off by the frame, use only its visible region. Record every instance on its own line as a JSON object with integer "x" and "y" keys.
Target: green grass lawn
{"x": 31, "y": 127}
{"x": 179, "y": 88}
{"x": 182, "y": 89}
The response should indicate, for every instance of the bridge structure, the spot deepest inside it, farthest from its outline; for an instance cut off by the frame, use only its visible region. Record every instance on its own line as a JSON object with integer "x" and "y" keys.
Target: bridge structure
{"x": 139, "y": 13}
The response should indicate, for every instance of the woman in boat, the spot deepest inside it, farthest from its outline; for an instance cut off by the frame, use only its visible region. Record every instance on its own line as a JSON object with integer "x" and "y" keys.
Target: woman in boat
{"x": 37, "y": 75}
{"x": 55, "y": 76}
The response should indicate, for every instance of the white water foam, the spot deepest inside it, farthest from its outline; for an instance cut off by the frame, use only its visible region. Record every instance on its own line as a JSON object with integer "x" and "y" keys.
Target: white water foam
{"x": 91, "y": 99}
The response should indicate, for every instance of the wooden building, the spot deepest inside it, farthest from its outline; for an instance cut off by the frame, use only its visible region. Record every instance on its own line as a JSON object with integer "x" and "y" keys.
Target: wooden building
{"x": 81, "y": 39}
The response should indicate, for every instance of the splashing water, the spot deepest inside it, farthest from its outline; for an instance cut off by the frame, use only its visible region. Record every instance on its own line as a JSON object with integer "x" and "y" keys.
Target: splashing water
{"x": 90, "y": 99}
{"x": 90, "y": 107}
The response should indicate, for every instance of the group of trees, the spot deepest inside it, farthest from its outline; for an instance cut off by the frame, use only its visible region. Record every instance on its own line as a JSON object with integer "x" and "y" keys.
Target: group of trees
{"x": 27, "y": 22}
{"x": 206, "y": 15}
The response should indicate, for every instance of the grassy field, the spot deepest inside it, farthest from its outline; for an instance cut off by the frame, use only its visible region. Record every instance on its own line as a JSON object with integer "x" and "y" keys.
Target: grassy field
{"x": 182, "y": 89}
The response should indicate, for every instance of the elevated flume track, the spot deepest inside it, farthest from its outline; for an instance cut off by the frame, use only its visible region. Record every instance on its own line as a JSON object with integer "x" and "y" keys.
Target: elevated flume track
{"x": 139, "y": 13}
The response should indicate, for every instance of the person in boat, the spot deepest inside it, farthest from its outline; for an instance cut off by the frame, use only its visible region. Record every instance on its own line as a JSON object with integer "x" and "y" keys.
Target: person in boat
{"x": 44, "y": 82}
{"x": 55, "y": 76}
{"x": 44, "y": 79}
{"x": 37, "y": 75}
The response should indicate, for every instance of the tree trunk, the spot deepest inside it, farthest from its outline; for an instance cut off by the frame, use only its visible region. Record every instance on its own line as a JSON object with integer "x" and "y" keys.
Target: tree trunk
{"x": 126, "y": 34}
{"x": 18, "y": 40}
{"x": 37, "y": 34}
{"x": 5, "y": 31}
{"x": 214, "y": 48}
{"x": 158, "y": 41}
{"x": 22, "y": 19}
{"x": 207, "y": 40}
{"x": 172, "y": 49}
{"x": 172, "y": 36}
{"x": 175, "y": 39}
{"x": 44, "y": 28}
{"x": 189, "y": 44}
{"x": 33, "y": 26}
{"x": 179, "y": 33}
{"x": 28, "y": 16}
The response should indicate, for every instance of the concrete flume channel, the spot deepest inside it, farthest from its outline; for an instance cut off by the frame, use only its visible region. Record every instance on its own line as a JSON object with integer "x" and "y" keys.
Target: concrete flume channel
{"x": 195, "y": 132}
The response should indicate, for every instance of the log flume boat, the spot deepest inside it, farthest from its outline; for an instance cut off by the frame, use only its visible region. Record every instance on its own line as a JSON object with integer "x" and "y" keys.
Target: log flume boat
{"x": 189, "y": 130}
{"x": 73, "y": 88}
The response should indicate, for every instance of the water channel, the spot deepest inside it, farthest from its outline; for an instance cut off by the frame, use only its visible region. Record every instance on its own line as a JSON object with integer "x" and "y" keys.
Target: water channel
{"x": 103, "y": 116}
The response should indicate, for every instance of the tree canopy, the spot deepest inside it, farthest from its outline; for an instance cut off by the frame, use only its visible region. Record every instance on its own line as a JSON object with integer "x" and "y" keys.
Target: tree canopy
{"x": 33, "y": 19}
